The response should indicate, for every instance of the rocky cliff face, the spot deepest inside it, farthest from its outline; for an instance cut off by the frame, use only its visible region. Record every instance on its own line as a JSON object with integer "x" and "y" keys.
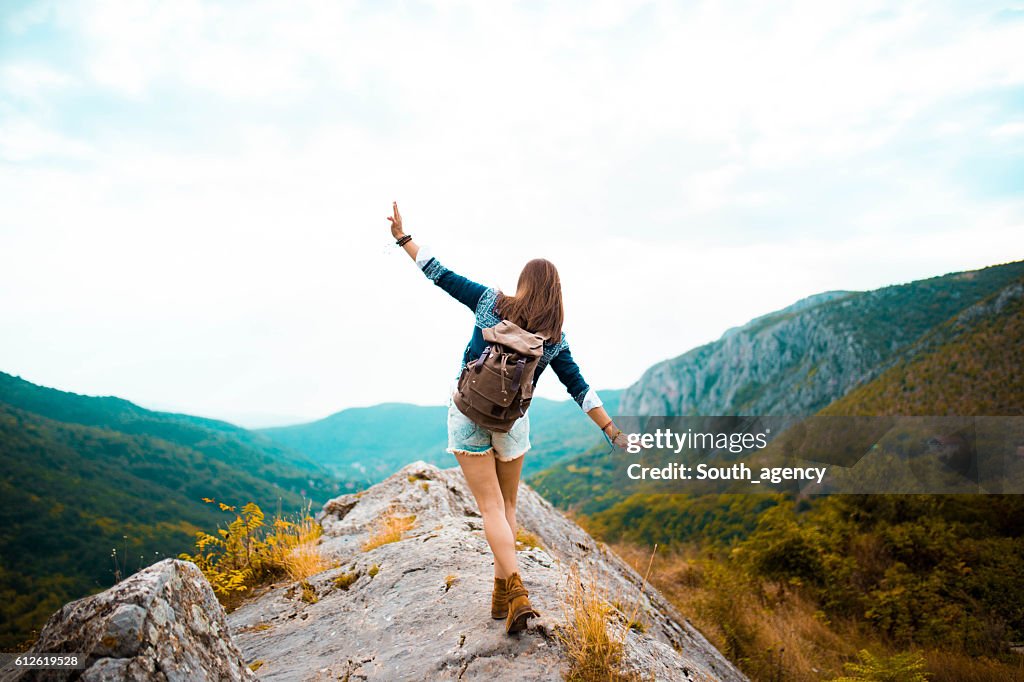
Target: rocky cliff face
{"x": 414, "y": 609}
{"x": 798, "y": 360}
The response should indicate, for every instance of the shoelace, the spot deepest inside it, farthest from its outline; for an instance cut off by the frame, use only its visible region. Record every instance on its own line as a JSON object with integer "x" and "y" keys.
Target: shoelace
{"x": 517, "y": 592}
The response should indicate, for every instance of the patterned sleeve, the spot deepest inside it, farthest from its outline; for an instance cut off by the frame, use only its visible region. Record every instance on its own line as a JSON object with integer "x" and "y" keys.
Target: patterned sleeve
{"x": 464, "y": 290}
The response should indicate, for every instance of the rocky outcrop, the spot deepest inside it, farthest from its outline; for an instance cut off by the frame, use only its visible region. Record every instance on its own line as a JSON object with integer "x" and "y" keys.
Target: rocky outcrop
{"x": 798, "y": 360}
{"x": 786, "y": 363}
{"x": 415, "y": 608}
{"x": 419, "y": 608}
{"x": 163, "y": 623}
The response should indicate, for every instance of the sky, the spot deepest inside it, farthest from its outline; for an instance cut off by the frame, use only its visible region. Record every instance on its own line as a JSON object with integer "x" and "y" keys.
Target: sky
{"x": 193, "y": 195}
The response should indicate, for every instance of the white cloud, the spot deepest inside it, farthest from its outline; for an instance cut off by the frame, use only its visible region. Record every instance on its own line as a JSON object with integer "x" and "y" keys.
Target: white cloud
{"x": 1011, "y": 129}
{"x": 197, "y": 195}
{"x": 25, "y": 140}
{"x": 31, "y": 78}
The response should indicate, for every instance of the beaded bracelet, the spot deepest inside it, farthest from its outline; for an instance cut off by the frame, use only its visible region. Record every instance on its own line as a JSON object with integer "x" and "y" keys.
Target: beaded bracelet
{"x": 404, "y": 240}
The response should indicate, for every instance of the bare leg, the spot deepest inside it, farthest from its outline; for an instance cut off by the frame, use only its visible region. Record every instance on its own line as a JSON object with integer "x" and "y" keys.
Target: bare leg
{"x": 481, "y": 475}
{"x": 508, "y": 480}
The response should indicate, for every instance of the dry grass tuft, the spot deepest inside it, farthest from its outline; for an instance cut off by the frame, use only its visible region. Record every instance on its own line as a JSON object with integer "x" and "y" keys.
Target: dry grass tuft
{"x": 769, "y": 635}
{"x": 525, "y": 538}
{"x": 345, "y": 580}
{"x": 297, "y": 548}
{"x": 594, "y": 653}
{"x": 390, "y": 528}
{"x": 308, "y": 593}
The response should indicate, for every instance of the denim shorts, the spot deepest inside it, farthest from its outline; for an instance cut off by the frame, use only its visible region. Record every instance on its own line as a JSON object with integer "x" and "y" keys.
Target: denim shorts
{"x": 465, "y": 437}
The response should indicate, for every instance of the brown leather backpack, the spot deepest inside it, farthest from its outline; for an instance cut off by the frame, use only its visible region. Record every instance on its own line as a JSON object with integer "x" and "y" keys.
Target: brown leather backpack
{"x": 496, "y": 389}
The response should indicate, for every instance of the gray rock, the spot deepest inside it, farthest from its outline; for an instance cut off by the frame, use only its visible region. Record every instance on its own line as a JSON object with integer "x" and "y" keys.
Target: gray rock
{"x": 419, "y": 608}
{"x": 163, "y": 623}
{"x": 414, "y": 609}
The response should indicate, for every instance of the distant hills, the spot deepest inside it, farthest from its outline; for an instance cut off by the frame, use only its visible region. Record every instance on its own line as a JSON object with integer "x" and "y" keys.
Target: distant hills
{"x": 369, "y": 443}
{"x": 220, "y": 441}
{"x": 85, "y": 475}
{"x": 944, "y": 345}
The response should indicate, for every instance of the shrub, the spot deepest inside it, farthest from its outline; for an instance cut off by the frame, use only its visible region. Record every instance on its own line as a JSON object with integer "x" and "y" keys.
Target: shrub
{"x": 247, "y": 553}
{"x": 904, "y": 667}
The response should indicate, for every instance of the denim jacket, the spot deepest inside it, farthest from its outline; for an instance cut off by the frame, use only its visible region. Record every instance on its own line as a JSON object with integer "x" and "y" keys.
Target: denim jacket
{"x": 481, "y": 300}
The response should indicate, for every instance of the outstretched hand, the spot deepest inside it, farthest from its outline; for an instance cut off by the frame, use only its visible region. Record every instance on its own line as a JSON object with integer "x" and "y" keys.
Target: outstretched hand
{"x": 396, "y": 222}
{"x": 621, "y": 440}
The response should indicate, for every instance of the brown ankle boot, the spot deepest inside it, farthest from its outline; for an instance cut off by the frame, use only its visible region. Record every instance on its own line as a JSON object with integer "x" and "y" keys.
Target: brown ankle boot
{"x": 499, "y": 600}
{"x": 519, "y": 609}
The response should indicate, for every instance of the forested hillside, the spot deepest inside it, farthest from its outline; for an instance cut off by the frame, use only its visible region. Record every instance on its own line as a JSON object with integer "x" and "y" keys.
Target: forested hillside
{"x": 86, "y": 478}
{"x": 972, "y": 365}
{"x": 795, "y": 587}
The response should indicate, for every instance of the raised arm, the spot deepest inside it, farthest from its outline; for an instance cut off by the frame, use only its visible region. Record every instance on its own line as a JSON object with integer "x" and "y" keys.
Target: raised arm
{"x": 462, "y": 289}
{"x": 396, "y": 231}
{"x": 569, "y": 374}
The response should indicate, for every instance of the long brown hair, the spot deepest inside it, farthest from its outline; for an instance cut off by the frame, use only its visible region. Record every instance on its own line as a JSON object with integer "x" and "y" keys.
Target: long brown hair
{"x": 537, "y": 305}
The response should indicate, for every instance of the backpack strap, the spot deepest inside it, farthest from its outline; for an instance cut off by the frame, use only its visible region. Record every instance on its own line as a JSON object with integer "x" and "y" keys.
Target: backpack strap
{"x": 520, "y": 366}
{"x": 483, "y": 358}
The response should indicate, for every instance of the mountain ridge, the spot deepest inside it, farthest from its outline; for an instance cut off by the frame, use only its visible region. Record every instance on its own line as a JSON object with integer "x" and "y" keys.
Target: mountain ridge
{"x": 587, "y": 483}
{"x": 799, "y": 359}
{"x": 120, "y": 414}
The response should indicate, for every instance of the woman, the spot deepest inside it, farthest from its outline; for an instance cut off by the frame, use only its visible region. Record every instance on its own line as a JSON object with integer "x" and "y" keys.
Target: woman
{"x": 492, "y": 460}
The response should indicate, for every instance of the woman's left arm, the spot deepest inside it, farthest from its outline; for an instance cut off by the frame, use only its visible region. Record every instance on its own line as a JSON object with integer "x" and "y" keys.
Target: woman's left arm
{"x": 569, "y": 374}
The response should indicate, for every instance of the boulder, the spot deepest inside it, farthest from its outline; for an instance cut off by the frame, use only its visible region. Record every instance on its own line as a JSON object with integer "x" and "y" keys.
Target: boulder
{"x": 163, "y": 623}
